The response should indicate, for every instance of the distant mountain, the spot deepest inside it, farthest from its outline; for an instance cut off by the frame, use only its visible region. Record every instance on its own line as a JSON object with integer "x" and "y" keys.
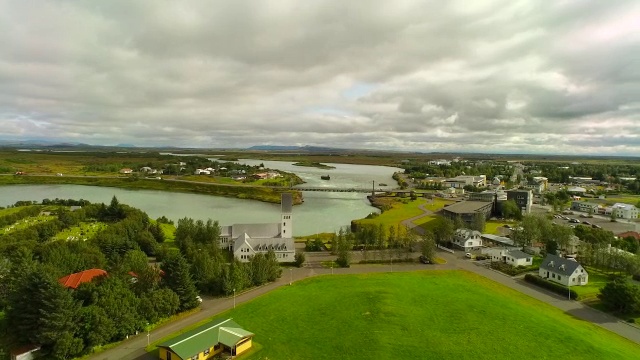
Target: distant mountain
{"x": 125, "y": 145}
{"x": 293, "y": 148}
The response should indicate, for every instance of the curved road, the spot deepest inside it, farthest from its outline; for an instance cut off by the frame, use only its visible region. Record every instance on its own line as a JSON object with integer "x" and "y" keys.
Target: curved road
{"x": 134, "y": 347}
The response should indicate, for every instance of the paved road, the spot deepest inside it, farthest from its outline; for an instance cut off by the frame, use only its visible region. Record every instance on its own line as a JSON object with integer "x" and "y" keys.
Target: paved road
{"x": 133, "y": 348}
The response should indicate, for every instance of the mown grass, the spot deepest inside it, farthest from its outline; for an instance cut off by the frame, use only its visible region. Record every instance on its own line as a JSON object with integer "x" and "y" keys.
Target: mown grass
{"x": 82, "y": 231}
{"x": 26, "y": 222}
{"x": 401, "y": 210}
{"x": 597, "y": 280}
{"x": 418, "y": 315}
{"x": 169, "y": 232}
{"x": 492, "y": 226}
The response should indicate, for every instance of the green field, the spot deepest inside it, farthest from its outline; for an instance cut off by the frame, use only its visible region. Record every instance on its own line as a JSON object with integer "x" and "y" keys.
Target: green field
{"x": 26, "y": 222}
{"x": 400, "y": 210}
{"x": 419, "y": 315}
{"x": 83, "y": 231}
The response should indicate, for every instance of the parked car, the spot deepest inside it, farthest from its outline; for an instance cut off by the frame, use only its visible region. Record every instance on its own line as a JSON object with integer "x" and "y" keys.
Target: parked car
{"x": 468, "y": 255}
{"x": 586, "y": 223}
{"x": 424, "y": 260}
{"x": 596, "y": 226}
{"x": 481, "y": 257}
{"x": 199, "y": 298}
{"x": 575, "y": 221}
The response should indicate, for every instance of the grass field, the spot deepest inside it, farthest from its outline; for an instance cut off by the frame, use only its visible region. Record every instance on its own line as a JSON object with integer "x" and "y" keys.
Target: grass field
{"x": 27, "y": 222}
{"x": 9, "y": 211}
{"x": 491, "y": 227}
{"x": 400, "y": 210}
{"x": 421, "y": 315}
{"x": 83, "y": 231}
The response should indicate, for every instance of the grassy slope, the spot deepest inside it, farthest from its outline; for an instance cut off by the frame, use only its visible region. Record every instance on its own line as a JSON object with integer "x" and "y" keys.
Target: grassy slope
{"x": 85, "y": 230}
{"x": 400, "y": 211}
{"x": 435, "y": 314}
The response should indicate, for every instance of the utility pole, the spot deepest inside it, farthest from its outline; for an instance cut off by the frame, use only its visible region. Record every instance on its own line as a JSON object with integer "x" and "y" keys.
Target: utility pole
{"x": 373, "y": 188}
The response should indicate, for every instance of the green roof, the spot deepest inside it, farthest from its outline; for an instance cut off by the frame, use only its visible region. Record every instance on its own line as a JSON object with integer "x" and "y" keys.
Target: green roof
{"x": 226, "y": 332}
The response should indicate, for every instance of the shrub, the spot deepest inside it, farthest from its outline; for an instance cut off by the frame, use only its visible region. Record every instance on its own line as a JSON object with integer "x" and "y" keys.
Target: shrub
{"x": 557, "y": 288}
{"x": 636, "y": 277}
{"x": 300, "y": 258}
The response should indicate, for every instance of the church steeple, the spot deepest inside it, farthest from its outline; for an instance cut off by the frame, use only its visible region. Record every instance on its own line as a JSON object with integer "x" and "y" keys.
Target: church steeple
{"x": 286, "y": 218}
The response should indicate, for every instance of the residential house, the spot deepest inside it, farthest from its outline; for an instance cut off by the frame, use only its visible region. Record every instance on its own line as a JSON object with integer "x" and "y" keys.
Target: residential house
{"x": 622, "y": 211}
{"x": 522, "y": 198}
{"x": 467, "y": 210}
{"x": 207, "y": 341}
{"x": 126, "y": 171}
{"x": 260, "y": 176}
{"x": 148, "y": 170}
{"x": 511, "y": 256}
{"x": 461, "y": 181}
{"x": 74, "y": 280}
{"x": 543, "y": 180}
{"x": 202, "y": 172}
{"x": 467, "y": 239}
{"x": 632, "y": 234}
{"x": 535, "y": 186}
{"x": 584, "y": 206}
{"x": 246, "y": 240}
{"x": 565, "y": 271}
{"x": 27, "y": 352}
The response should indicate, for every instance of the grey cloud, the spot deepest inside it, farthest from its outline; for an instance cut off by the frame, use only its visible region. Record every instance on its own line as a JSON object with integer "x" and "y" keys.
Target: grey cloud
{"x": 521, "y": 76}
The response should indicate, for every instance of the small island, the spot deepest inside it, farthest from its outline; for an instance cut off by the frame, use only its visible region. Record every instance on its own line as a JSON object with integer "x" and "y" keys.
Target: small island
{"x": 314, "y": 164}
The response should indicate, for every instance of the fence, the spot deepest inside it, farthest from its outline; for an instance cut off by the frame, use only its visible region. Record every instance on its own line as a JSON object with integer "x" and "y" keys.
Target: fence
{"x": 445, "y": 249}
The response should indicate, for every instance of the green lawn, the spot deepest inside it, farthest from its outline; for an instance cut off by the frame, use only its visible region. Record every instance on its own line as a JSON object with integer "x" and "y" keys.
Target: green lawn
{"x": 418, "y": 315}
{"x": 83, "y": 231}
{"x": 401, "y": 210}
{"x": 597, "y": 280}
{"x": 169, "y": 235}
{"x": 9, "y": 211}
{"x": 26, "y": 222}
{"x": 491, "y": 227}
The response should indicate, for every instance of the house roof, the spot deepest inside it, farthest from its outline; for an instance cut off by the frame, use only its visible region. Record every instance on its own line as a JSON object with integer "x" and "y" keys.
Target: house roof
{"x": 74, "y": 280}
{"x": 464, "y": 207}
{"x": 24, "y": 349}
{"x": 559, "y": 265}
{"x": 226, "y": 332}
{"x": 256, "y": 230}
{"x": 629, "y": 233}
{"x": 467, "y": 233}
{"x": 519, "y": 254}
{"x": 264, "y": 244}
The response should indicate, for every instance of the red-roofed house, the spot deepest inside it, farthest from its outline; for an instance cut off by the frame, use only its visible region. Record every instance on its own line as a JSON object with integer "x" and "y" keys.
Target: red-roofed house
{"x": 74, "y": 280}
{"x": 24, "y": 353}
{"x": 632, "y": 234}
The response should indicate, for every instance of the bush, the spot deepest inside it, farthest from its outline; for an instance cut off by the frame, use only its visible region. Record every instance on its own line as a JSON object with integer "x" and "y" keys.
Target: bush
{"x": 300, "y": 258}
{"x": 636, "y": 277}
{"x": 556, "y": 288}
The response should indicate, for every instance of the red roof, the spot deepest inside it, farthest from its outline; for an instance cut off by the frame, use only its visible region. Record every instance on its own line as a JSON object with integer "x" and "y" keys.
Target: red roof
{"x": 24, "y": 349}
{"x": 73, "y": 280}
{"x": 629, "y": 233}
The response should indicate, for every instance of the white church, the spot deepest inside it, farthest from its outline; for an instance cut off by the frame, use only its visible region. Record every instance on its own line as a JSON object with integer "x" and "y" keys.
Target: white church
{"x": 246, "y": 240}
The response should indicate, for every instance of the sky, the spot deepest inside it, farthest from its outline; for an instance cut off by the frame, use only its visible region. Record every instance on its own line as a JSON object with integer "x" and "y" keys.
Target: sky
{"x": 515, "y": 76}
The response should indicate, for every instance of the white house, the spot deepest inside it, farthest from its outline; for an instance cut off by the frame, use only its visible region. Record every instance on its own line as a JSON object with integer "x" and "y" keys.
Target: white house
{"x": 518, "y": 258}
{"x": 461, "y": 181}
{"x": 202, "y": 172}
{"x": 126, "y": 171}
{"x": 246, "y": 240}
{"x": 585, "y": 206}
{"x": 623, "y": 211}
{"x": 536, "y": 187}
{"x": 467, "y": 239}
{"x": 511, "y": 256}
{"x": 563, "y": 271}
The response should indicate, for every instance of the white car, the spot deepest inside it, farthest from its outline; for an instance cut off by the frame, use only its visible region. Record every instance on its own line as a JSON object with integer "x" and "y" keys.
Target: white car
{"x": 468, "y": 255}
{"x": 199, "y": 298}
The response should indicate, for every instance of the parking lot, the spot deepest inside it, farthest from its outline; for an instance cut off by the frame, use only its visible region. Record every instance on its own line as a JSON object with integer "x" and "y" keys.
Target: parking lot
{"x": 597, "y": 220}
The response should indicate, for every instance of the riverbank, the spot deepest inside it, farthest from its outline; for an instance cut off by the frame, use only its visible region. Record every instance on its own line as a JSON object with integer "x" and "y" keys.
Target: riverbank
{"x": 260, "y": 193}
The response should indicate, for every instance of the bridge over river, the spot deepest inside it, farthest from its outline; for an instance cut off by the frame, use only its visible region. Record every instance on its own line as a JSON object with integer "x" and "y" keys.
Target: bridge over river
{"x": 353, "y": 190}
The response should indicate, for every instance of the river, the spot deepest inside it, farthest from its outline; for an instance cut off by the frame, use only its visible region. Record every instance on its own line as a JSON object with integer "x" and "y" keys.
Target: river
{"x": 320, "y": 212}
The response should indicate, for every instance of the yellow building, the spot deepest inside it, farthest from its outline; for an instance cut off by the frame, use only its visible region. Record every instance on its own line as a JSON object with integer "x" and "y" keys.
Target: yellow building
{"x": 207, "y": 341}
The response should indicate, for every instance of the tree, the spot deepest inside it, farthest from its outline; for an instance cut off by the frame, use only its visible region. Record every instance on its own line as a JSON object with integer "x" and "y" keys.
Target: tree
{"x": 511, "y": 210}
{"x": 428, "y": 246}
{"x": 443, "y": 230}
{"x": 299, "y": 259}
{"x": 344, "y": 249}
{"x": 620, "y": 296}
{"x": 479, "y": 222}
{"x": 177, "y": 277}
{"x": 158, "y": 304}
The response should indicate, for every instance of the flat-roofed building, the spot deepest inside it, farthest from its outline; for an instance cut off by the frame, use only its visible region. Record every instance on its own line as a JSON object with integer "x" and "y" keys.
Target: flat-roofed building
{"x": 467, "y": 210}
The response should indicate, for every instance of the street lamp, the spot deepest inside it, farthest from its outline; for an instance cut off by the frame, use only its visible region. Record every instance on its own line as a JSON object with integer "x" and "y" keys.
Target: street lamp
{"x": 291, "y": 277}
{"x": 148, "y": 334}
{"x": 234, "y": 298}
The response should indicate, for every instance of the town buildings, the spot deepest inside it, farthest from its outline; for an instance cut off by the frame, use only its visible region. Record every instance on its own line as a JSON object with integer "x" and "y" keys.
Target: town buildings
{"x": 565, "y": 271}
{"x": 522, "y": 198}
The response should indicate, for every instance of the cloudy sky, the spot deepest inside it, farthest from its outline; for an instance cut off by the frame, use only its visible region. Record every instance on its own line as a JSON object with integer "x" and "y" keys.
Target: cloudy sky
{"x": 527, "y": 76}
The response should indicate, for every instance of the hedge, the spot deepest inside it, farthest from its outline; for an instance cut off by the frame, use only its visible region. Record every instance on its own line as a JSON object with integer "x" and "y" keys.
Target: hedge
{"x": 556, "y": 288}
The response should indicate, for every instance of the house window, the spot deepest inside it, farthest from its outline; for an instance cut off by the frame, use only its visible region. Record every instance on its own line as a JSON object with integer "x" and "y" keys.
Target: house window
{"x": 559, "y": 277}
{"x": 285, "y": 224}
{"x": 573, "y": 280}
{"x": 553, "y": 275}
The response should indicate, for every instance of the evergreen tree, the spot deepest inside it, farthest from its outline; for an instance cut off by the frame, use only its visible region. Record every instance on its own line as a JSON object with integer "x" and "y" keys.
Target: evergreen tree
{"x": 177, "y": 277}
